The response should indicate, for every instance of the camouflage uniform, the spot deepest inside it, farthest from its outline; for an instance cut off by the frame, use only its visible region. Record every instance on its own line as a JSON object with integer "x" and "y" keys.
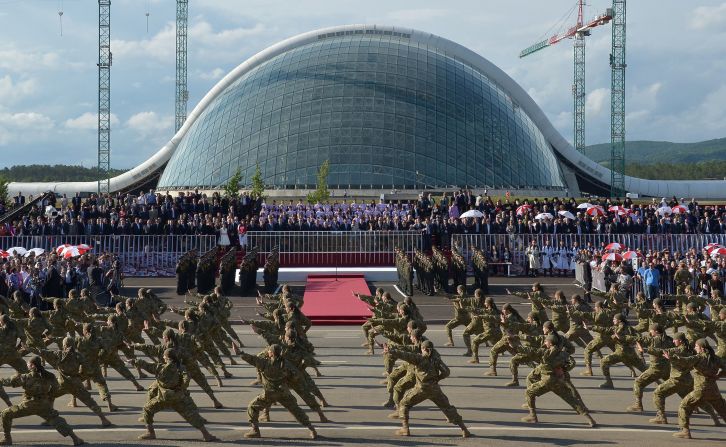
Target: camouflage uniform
{"x": 429, "y": 371}
{"x": 705, "y": 388}
{"x": 275, "y": 374}
{"x": 40, "y": 388}
{"x": 658, "y": 367}
{"x": 624, "y": 339}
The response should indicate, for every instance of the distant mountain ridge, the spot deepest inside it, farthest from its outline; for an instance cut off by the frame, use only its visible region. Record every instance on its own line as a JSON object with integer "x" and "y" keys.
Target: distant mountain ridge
{"x": 650, "y": 152}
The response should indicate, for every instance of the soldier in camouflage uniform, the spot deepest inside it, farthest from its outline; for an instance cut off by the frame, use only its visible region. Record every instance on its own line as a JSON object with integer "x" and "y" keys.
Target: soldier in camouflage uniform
{"x": 537, "y": 298}
{"x": 429, "y": 370}
{"x": 10, "y": 334}
{"x": 276, "y": 373}
{"x": 40, "y": 387}
{"x": 601, "y": 317}
{"x": 169, "y": 391}
{"x": 462, "y": 304}
{"x": 458, "y": 268}
{"x": 717, "y": 327}
{"x": 508, "y": 320}
{"x": 68, "y": 364}
{"x": 624, "y": 338}
{"x": 439, "y": 270}
{"x": 577, "y": 332}
{"x": 89, "y": 347}
{"x": 658, "y": 368}
{"x": 707, "y": 368}
{"x": 481, "y": 270}
{"x": 680, "y": 381}
{"x": 488, "y": 318}
{"x": 554, "y": 363}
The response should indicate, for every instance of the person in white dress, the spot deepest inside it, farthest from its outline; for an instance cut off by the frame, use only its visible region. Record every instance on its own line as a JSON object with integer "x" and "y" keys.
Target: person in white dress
{"x": 548, "y": 262}
{"x": 563, "y": 259}
{"x": 223, "y": 236}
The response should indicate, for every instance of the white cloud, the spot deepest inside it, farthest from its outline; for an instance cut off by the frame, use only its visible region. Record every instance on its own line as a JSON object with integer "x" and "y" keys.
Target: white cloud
{"x": 162, "y": 46}
{"x": 204, "y": 32}
{"x": 708, "y": 16}
{"x": 151, "y": 125}
{"x": 596, "y": 100}
{"x": 412, "y": 16}
{"x": 19, "y": 126}
{"x": 213, "y": 75}
{"x": 87, "y": 121}
{"x": 26, "y": 60}
{"x": 11, "y": 91}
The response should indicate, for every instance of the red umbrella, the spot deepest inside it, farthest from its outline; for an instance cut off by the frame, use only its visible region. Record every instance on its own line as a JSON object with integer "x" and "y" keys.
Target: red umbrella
{"x": 4, "y": 254}
{"x": 83, "y": 248}
{"x": 521, "y": 209}
{"x": 628, "y": 255}
{"x": 711, "y": 246}
{"x": 595, "y": 211}
{"x": 612, "y": 257}
{"x": 720, "y": 251}
{"x": 622, "y": 211}
{"x": 679, "y": 209}
{"x": 613, "y": 246}
{"x": 59, "y": 249}
{"x": 71, "y": 252}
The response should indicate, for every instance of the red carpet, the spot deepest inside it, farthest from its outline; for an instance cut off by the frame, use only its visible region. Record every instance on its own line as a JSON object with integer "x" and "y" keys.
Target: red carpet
{"x": 329, "y": 299}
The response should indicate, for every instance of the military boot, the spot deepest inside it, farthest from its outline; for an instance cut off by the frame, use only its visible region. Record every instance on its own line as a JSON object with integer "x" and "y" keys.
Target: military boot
{"x": 450, "y": 343}
{"x": 513, "y": 383}
{"x": 254, "y": 431}
{"x": 208, "y": 437}
{"x": 531, "y": 417}
{"x": 587, "y": 371}
{"x": 404, "y": 430}
{"x": 608, "y": 384}
{"x": 323, "y": 418}
{"x": 492, "y": 372}
{"x": 685, "y": 433}
{"x": 590, "y": 420}
{"x": 389, "y": 403}
{"x": 637, "y": 407}
{"x": 217, "y": 404}
{"x": 465, "y": 433}
{"x": 150, "y": 433}
{"x": 312, "y": 432}
{"x": 660, "y": 418}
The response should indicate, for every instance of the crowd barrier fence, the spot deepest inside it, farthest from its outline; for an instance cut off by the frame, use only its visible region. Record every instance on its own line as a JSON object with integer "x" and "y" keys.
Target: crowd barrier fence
{"x": 139, "y": 255}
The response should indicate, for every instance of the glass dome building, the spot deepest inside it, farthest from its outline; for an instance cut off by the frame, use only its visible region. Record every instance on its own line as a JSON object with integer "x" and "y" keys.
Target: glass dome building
{"x": 388, "y": 107}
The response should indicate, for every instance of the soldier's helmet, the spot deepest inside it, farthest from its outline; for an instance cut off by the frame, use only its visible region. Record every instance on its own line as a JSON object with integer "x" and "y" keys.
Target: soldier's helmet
{"x": 427, "y": 344}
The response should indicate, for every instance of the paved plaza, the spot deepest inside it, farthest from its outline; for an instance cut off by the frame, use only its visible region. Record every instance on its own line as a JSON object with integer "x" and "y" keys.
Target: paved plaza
{"x": 351, "y": 384}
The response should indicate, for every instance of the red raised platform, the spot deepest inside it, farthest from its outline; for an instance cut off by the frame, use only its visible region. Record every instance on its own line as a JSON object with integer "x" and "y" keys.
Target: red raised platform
{"x": 329, "y": 299}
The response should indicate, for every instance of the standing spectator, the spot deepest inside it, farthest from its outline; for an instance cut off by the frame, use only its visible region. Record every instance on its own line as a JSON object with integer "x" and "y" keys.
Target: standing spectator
{"x": 651, "y": 279}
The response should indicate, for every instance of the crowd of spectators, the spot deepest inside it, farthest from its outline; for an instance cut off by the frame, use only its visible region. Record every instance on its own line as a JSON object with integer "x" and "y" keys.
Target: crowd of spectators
{"x": 654, "y": 273}
{"x": 192, "y": 212}
{"x": 33, "y": 277}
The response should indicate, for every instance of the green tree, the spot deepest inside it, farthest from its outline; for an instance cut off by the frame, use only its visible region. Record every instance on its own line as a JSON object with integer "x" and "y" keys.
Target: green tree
{"x": 258, "y": 184}
{"x": 231, "y": 189}
{"x": 3, "y": 190}
{"x": 321, "y": 193}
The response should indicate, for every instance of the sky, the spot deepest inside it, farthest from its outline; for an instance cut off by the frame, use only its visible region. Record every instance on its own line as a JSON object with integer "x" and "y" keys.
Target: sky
{"x": 676, "y": 56}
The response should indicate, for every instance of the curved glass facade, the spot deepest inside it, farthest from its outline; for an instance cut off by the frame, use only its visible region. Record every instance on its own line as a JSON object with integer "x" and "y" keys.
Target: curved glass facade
{"x": 386, "y": 110}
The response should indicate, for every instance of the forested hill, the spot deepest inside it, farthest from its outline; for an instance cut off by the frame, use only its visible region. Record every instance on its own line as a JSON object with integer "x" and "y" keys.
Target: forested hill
{"x": 52, "y": 173}
{"x": 650, "y": 152}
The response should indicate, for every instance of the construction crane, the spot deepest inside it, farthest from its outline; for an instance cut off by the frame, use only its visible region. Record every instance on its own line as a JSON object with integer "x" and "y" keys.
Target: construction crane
{"x": 182, "y": 94}
{"x": 617, "y": 101}
{"x": 105, "y": 58}
{"x": 578, "y": 31}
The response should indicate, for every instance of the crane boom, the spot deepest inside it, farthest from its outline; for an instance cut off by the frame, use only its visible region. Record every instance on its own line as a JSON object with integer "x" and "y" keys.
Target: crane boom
{"x": 585, "y": 28}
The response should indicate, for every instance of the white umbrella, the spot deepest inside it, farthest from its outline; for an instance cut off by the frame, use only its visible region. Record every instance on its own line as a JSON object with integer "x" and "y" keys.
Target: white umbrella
{"x": 472, "y": 213}
{"x": 17, "y": 251}
{"x": 664, "y": 210}
{"x": 566, "y": 214}
{"x": 35, "y": 251}
{"x": 541, "y": 216}
{"x": 584, "y": 206}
